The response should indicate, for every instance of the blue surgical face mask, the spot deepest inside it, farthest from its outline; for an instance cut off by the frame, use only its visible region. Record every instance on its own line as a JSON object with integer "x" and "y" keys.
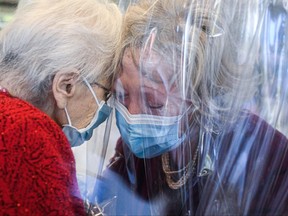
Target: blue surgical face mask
{"x": 148, "y": 136}
{"x": 75, "y": 136}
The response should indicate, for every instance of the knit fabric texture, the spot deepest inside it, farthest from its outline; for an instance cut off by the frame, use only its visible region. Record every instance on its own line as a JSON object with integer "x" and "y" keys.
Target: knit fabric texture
{"x": 37, "y": 167}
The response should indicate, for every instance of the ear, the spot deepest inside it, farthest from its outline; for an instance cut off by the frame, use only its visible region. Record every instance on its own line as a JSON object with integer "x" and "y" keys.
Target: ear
{"x": 63, "y": 86}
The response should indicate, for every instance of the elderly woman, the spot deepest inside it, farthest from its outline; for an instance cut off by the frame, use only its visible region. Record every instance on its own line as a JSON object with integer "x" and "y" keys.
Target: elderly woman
{"x": 56, "y": 67}
{"x": 187, "y": 147}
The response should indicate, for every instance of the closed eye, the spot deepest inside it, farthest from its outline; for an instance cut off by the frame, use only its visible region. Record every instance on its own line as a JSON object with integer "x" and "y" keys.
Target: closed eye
{"x": 154, "y": 101}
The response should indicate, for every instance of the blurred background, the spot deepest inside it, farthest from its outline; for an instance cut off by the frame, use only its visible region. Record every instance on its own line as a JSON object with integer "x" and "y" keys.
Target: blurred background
{"x": 7, "y": 9}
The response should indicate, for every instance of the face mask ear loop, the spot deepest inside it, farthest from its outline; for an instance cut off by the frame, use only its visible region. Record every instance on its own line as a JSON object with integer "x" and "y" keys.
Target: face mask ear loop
{"x": 67, "y": 116}
{"x": 92, "y": 91}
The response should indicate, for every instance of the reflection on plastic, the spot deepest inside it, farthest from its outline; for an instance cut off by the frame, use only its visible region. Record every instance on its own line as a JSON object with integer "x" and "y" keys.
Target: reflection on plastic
{"x": 230, "y": 60}
{"x": 97, "y": 209}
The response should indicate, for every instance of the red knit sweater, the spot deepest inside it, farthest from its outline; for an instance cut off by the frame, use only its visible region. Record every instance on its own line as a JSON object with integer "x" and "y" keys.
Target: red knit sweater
{"x": 37, "y": 167}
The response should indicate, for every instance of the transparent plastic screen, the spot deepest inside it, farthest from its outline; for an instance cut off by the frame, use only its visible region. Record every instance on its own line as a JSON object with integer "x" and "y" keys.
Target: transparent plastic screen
{"x": 200, "y": 103}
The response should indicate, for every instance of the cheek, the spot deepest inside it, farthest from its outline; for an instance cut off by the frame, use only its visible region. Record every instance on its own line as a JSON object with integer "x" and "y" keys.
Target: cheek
{"x": 171, "y": 110}
{"x": 87, "y": 111}
{"x": 92, "y": 108}
{"x": 176, "y": 107}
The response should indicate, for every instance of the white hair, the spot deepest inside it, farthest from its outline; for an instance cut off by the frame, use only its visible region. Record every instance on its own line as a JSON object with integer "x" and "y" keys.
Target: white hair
{"x": 46, "y": 36}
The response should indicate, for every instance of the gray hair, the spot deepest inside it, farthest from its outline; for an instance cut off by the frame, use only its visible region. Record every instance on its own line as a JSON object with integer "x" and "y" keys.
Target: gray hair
{"x": 49, "y": 35}
{"x": 193, "y": 37}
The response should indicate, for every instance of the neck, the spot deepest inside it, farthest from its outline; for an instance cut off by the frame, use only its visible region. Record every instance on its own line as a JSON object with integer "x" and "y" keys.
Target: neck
{"x": 182, "y": 155}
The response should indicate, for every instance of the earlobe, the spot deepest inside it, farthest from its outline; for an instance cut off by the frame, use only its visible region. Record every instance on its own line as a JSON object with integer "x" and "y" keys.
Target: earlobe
{"x": 63, "y": 86}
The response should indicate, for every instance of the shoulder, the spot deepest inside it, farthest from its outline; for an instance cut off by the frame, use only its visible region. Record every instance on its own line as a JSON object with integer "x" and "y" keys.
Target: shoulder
{"x": 27, "y": 131}
{"x": 260, "y": 153}
{"x": 253, "y": 127}
{"x": 253, "y": 145}
{"x": 20, "y": 120}
{"x": 39, "y": 159}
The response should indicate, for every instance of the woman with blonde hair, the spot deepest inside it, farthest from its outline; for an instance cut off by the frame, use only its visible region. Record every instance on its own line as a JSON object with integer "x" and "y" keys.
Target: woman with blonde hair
{"x": 188, "y": 146}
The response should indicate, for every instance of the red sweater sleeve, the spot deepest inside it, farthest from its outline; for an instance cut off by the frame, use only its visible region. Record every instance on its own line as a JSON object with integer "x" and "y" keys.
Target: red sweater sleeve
{"x": 37, "y": 167}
